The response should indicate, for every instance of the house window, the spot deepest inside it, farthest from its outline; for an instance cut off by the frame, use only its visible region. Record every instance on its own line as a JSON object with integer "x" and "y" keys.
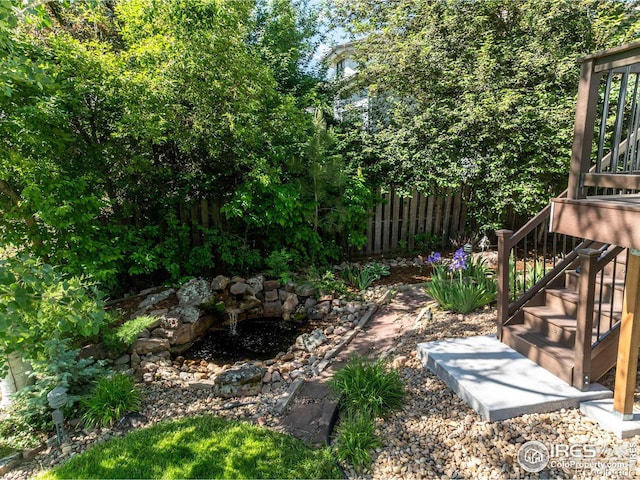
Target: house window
{"x": 340, "y": 69}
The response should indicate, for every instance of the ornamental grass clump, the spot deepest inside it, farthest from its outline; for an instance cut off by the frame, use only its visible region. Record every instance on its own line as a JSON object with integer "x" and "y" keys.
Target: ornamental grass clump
{"x": 461, "y": 285}
{"x": 369, "y": 390}
{"x": 113, "y": 397}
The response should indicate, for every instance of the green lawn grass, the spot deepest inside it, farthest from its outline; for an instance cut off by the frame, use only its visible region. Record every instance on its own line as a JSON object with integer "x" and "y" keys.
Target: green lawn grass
{"x": 200, "y": 447}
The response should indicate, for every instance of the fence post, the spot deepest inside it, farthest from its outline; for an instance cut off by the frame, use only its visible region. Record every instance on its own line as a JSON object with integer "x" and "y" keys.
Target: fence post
{"x": 584, "y": 327}
{"x": 504, "y": 247}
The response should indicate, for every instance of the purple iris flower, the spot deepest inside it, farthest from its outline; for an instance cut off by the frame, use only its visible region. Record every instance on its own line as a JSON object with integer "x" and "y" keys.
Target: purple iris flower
{"x": 459, "y": 261}
{"x": 435, "y": 257}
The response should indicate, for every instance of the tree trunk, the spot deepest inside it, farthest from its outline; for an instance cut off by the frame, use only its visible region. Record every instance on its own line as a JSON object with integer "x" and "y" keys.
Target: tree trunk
{"x": 16, "y": 379}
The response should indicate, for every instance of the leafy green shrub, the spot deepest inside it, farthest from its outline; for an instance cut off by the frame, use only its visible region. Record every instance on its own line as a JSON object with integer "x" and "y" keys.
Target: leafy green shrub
{"x": 113, "y": 397}
{"x": 427, "y": 242}
{"x": 279, "y": 265}
{"x": 355, "y": 439}
{"x": 118, "y": 340}
{"x": 463, "y": 285}
{"x": 61, "y": 366}
{"x": 369, "y": 386}
{"x": 38, "y": 303}
{"x": 328, "y": 284}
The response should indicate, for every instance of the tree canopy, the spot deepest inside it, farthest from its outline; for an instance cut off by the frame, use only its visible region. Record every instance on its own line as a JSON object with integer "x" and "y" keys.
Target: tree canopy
{"x": 117, "y": 116}
{"x": 481, "y": 92}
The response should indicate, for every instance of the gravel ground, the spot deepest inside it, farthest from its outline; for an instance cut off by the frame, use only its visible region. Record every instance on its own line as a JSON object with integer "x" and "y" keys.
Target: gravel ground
{"x": 435, "y": 435}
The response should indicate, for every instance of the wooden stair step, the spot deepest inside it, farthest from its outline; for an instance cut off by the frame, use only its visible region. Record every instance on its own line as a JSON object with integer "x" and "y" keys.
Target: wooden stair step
{"x": 565, "y": 300}
{"x": 606, "y": 279}
{"x": 553, "y": 356}
{"x": 553, "y": 316}
{"x": 609, "y": 286}
{"x": 562, "y": 299}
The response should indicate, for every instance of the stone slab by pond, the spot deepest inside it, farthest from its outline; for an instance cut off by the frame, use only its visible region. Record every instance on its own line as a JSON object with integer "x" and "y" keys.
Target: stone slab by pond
{"x": 243, "y": 380}
{"x": 498, "y": 382}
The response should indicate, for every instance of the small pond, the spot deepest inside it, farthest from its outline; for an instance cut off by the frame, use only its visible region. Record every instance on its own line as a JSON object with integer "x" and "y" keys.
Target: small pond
{"x": 255, "y": 339}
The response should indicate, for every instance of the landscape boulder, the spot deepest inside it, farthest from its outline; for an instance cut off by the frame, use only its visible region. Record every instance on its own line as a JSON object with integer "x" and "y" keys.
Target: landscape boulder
{"x": 194, "y": 292}
{"x": 239, "y": 381}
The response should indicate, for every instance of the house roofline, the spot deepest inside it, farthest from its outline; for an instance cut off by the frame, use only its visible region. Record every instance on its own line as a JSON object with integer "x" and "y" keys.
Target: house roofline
{"x": 334, "y": 50}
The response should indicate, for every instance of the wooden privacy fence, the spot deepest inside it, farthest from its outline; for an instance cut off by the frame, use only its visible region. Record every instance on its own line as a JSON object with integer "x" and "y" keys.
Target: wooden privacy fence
{"x": 397, "y": 220}
{"x": 393, "y": 225}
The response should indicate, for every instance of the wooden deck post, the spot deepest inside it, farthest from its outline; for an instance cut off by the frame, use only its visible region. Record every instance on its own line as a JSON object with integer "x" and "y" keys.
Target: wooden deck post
{"x": 583, "y": 127}
{"x": 504, "y": 248}
{"x": 584, "y": 317}
{"x": 627, "y": 365}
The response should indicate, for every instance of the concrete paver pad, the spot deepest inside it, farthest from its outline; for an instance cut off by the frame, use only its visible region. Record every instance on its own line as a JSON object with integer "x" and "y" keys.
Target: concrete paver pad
{"x": 498, "y": 382}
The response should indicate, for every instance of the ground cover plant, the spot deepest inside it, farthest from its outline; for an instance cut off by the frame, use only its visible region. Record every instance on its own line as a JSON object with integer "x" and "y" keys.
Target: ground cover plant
{"x": 200, "y": 447}
{"x": 362, "y": 277}
{"x": 368, "y": 390}
{"x": 118, "y": 340}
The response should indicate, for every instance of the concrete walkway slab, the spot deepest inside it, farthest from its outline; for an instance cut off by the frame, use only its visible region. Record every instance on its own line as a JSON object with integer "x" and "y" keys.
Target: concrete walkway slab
{"x": 602, "y": 412}
{"x": 498, "y": 382}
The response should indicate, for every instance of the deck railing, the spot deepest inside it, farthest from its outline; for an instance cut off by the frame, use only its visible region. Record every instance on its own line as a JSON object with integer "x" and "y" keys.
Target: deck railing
{"x": 605, "y": 158}
{"x": 530, "y": 260}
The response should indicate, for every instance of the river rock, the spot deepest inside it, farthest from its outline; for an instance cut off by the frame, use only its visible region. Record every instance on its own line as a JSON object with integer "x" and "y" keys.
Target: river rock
{"x": 239, "y": 289}
{"x": 271, "y": 296}
{"x": 187, "y": 314}
{"x": 239, "y": 381}
{"x": 171, "y": 321}
{"x": 289, "y": 306}
{"x": 219, "y": 283}
{"x": 184, "y": 334}
{"x": 319, "y": 311}
{"x": 272, "y": 309}
{"x": 248, "y": 303}
{"x": 305, "y": 290}
{"x": 194, "y": 292}
{"x": 256, "y": 283}
{"x": 122, "y": 360}
{"x": 311, "y": 341}
{"x": 271, "y": 285}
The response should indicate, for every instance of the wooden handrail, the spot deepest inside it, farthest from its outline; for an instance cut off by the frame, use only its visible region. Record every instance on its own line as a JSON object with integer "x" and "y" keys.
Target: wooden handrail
{"x": 610, "y": 254}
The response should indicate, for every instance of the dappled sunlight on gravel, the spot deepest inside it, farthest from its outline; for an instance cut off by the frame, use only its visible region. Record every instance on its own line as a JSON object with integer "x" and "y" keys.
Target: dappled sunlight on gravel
{"x": 437, "y": 435}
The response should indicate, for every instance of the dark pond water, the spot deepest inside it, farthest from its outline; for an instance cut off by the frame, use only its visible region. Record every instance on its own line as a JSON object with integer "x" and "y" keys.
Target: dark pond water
{"x": 256, "y": 339}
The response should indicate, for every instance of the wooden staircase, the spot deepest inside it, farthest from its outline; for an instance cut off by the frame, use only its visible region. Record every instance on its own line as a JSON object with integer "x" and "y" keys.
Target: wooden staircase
{"x": 564, "y": 276}
{"x": 545, "y": 330}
